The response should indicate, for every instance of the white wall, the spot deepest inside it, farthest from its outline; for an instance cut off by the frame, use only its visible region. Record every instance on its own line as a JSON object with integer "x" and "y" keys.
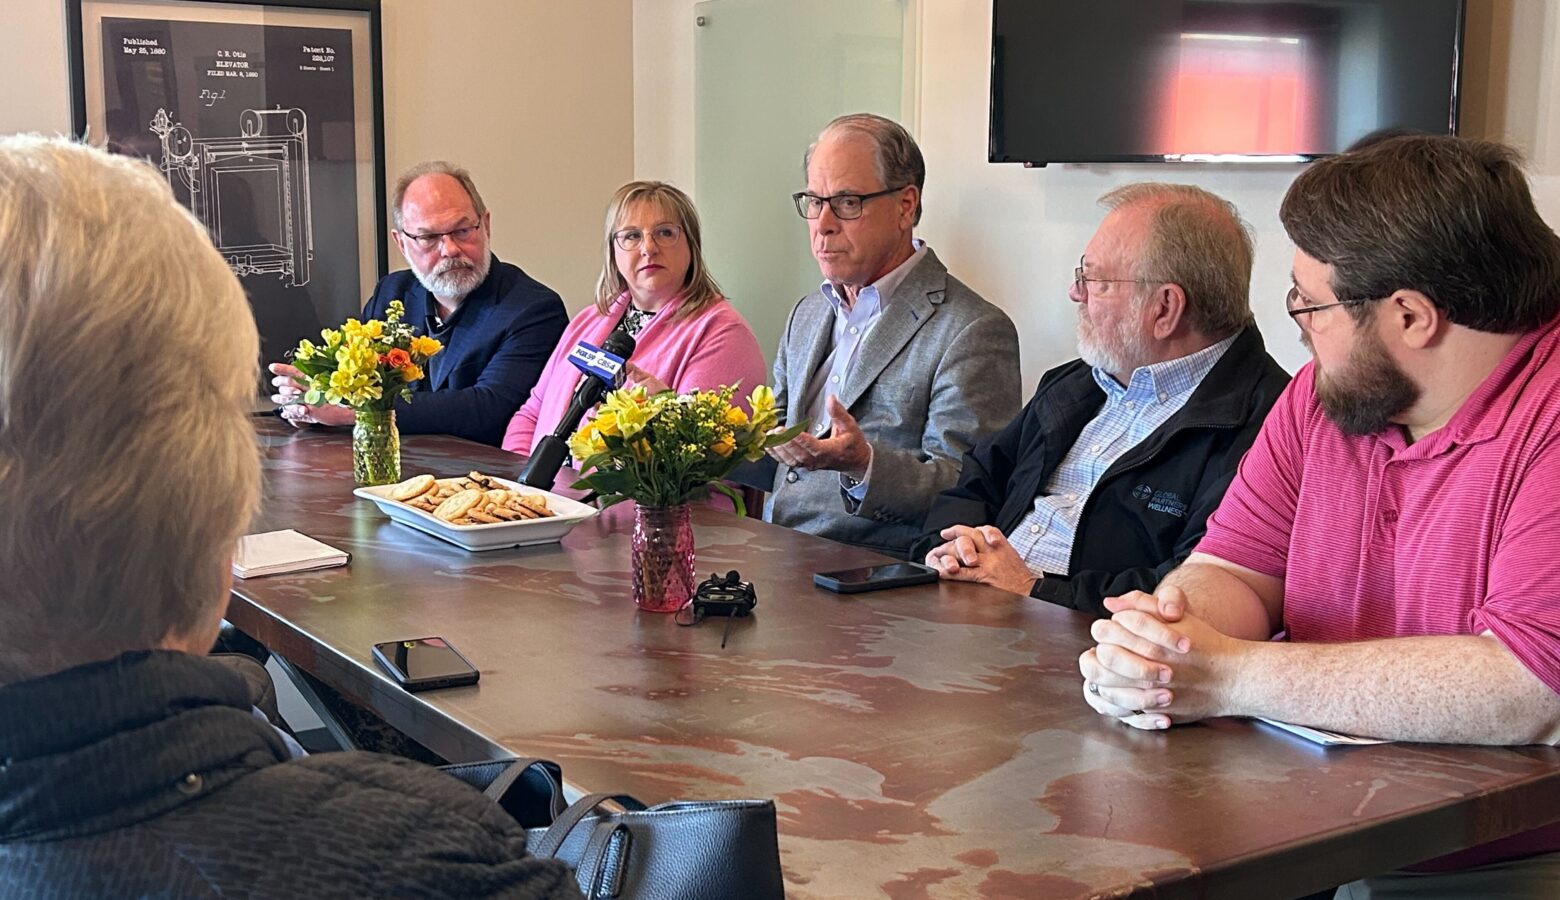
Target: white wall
{"x": 37, "y": 97}
{"x": 1015, "y": 234}
{"x": 663, "y": 91}
{"x": 534, "y": 96}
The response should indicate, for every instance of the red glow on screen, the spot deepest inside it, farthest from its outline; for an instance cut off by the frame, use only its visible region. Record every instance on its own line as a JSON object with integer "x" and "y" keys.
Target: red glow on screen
{"x": 1237, "y": 94}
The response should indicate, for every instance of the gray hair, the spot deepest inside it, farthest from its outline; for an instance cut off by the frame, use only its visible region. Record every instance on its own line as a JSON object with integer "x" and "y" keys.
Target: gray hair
{"x": 895, "y": 153}
{"x": 119, "y": 502}
{"x": 1198, "y": 241}
{"x": 433, "y": 167}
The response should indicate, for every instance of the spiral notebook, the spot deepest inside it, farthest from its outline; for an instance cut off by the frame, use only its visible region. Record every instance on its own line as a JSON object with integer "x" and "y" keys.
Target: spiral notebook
{"x": 280, "y": 552}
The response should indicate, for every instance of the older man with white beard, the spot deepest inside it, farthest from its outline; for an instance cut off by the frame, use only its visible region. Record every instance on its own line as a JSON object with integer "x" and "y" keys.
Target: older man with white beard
{"x": 498, "y": 324}
{"x": 1106, "y": 479}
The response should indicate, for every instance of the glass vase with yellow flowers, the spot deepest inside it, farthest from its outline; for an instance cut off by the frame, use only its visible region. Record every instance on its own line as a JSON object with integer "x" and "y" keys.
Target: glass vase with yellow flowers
{"x": 663, "y": 451}
{"x": 367, "y": 366}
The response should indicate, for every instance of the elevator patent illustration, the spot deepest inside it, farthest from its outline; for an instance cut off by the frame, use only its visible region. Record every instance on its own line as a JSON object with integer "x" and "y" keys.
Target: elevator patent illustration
{"x": 251, "y": 191}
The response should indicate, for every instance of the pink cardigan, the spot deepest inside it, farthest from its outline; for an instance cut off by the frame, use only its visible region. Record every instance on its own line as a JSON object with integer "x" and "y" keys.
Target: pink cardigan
{"x": 710, "y": 350}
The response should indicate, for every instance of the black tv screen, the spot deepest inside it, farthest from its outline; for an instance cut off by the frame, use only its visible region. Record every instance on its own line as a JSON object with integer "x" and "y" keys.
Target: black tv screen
{"x": 1148, "y": 80}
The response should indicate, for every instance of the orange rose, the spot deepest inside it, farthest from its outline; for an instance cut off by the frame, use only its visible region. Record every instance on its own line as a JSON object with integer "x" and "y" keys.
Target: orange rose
{"x": 397, "y": 359}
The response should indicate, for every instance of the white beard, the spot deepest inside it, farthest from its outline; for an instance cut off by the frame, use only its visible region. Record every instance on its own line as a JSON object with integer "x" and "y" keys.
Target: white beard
{"x": 454, "y": 278}
{"x": 1118, "y": 357}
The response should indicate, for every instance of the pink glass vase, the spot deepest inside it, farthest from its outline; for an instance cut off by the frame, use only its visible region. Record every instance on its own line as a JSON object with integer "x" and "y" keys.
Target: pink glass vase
{"x": 663, "y": 558}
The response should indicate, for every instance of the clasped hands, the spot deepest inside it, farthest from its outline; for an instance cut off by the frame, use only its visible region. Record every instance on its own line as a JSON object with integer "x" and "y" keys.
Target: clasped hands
{"x": 1156, "y": 664}
{"x": 981, "y": 554}
{"x": 845, "y": 450}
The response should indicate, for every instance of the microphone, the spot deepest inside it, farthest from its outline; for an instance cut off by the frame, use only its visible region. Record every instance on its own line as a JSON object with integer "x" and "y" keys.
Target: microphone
{"x": 600, "y": 367}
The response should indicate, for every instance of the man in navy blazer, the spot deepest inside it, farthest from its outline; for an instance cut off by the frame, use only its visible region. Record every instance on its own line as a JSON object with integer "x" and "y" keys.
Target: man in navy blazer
{"x": 498, "y": 324}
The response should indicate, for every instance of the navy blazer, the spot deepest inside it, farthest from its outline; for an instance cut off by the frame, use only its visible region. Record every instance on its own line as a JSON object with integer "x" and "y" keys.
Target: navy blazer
{"x": 493, "y": 355}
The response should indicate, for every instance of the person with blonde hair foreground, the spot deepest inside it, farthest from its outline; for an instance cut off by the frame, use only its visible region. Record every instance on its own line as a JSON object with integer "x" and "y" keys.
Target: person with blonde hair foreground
{"x": 132, "y": 764}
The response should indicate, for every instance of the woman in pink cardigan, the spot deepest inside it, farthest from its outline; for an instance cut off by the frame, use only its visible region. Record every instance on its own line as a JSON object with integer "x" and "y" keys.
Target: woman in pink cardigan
{"x": 654, "y": 281}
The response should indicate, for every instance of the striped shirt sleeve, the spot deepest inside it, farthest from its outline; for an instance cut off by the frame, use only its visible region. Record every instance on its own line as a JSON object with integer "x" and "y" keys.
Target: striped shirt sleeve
{"x": 1521, "y": 606}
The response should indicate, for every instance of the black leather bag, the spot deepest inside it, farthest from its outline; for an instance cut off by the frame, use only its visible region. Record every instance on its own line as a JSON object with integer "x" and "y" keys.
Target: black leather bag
{"x": 688, "y": 850}
{"x": 530, "y": 790}
{"x": 684, "y": 850}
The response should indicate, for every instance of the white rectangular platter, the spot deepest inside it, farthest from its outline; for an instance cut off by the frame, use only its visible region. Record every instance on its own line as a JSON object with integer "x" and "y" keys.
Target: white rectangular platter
{"x": 487, "y": 537}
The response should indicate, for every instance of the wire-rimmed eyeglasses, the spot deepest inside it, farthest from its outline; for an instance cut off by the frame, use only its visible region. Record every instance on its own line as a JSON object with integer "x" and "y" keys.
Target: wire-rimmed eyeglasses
{"x": 1081, "y": 282}
{"x": 432, "y": 239}
{"x": 1295, "y": 312}
{"x": 630, "y": 239}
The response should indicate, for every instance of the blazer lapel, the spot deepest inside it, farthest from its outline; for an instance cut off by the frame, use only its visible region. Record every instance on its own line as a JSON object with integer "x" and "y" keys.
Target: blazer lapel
{"x": 418, "y": 302}
{"x": 913, "y": 303}
{"x": 473, "y": 311}
{"x": 814, "y": 330}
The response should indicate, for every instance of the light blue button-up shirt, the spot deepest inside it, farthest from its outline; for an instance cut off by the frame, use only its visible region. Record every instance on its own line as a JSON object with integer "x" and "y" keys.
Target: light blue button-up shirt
{"x": 852, "y": 324}
{"x": 1131, "y": 413}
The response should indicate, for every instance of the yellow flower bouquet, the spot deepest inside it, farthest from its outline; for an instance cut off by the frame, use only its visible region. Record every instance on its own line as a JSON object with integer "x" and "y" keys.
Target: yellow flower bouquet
{"x": 366, "y": 366}
{"x": 663, "y": 451}
{"x": 667, "y": 449}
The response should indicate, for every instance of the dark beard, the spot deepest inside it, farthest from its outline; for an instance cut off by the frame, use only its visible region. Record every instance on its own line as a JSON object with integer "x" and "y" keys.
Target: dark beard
{"x": 1367, "y": 391}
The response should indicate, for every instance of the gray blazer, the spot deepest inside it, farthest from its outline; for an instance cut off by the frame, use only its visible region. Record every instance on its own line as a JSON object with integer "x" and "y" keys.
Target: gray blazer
{"x": 938, "y": 372}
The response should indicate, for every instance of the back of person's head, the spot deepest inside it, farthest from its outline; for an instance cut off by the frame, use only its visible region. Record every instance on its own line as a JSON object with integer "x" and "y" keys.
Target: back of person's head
{"x": 1448, "y": 217}
{"x": 699, "y": 287}
{"x": 128, "y": 466}
{"x": 433, "y": 167}
{"x": 895, "y": 153}
{"x": 1381, "y": 135}
{"x": 1197, "y": 240}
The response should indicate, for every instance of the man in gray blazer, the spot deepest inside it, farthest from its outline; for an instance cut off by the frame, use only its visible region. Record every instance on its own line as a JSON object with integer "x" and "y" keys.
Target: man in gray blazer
{"x": 898, "y": 367}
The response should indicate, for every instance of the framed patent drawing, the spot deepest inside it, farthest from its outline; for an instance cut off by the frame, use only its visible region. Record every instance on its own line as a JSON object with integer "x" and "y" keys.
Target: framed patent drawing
{"x": 267, "y": 121}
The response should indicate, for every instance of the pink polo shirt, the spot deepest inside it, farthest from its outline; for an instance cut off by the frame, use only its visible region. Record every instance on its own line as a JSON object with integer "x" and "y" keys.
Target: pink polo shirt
{"x": 1375, "y": 537}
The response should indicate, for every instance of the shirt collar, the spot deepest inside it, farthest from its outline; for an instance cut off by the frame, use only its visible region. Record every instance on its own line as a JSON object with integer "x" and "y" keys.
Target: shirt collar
{"x": 432, "y": 323}
{"x": 878, "y": 292}
{"x": 1163, "y": 381}
{"x": 1486, "y": 410}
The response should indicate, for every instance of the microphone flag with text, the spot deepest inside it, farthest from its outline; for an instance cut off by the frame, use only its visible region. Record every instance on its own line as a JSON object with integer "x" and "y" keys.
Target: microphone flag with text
{"x": 599, "y": 368}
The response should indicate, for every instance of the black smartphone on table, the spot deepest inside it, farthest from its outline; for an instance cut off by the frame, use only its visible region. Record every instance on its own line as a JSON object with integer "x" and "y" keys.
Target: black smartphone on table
{"x": 875, "y": 578}
{"x": 424, "y": 664}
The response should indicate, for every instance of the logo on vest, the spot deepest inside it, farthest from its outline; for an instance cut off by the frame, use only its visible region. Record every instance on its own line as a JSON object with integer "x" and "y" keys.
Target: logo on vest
{"x": 1161, "y": 501}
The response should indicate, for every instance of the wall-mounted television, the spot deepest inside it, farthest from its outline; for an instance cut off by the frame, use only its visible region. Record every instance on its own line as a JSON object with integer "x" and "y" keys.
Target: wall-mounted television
{"x": 1098, "y": 81}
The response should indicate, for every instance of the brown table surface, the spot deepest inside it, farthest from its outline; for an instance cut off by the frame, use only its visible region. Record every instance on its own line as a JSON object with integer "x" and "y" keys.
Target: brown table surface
{"x": 922, "y": 742}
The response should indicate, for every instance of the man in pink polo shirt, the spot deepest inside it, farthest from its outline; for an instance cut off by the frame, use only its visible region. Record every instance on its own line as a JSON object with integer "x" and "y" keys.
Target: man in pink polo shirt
{"x": 1397, "y": 517}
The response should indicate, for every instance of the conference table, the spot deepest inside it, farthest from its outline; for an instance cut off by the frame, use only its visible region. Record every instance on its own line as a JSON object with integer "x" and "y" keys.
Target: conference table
{"x": 919, "y": 742}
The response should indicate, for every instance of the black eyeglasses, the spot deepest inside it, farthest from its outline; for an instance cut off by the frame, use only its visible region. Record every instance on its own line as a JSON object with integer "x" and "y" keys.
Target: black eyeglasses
{"x": 434, "y": 238}
{"x": 1081, "y": 283}
{"x": 1295, "y": 312}
{"x": 630, "y": 239}
{"x": 844, "y": 206}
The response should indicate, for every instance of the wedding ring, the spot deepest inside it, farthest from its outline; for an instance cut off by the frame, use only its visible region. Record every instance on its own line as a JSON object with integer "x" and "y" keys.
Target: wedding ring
{"x": 1093, "y": 688}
